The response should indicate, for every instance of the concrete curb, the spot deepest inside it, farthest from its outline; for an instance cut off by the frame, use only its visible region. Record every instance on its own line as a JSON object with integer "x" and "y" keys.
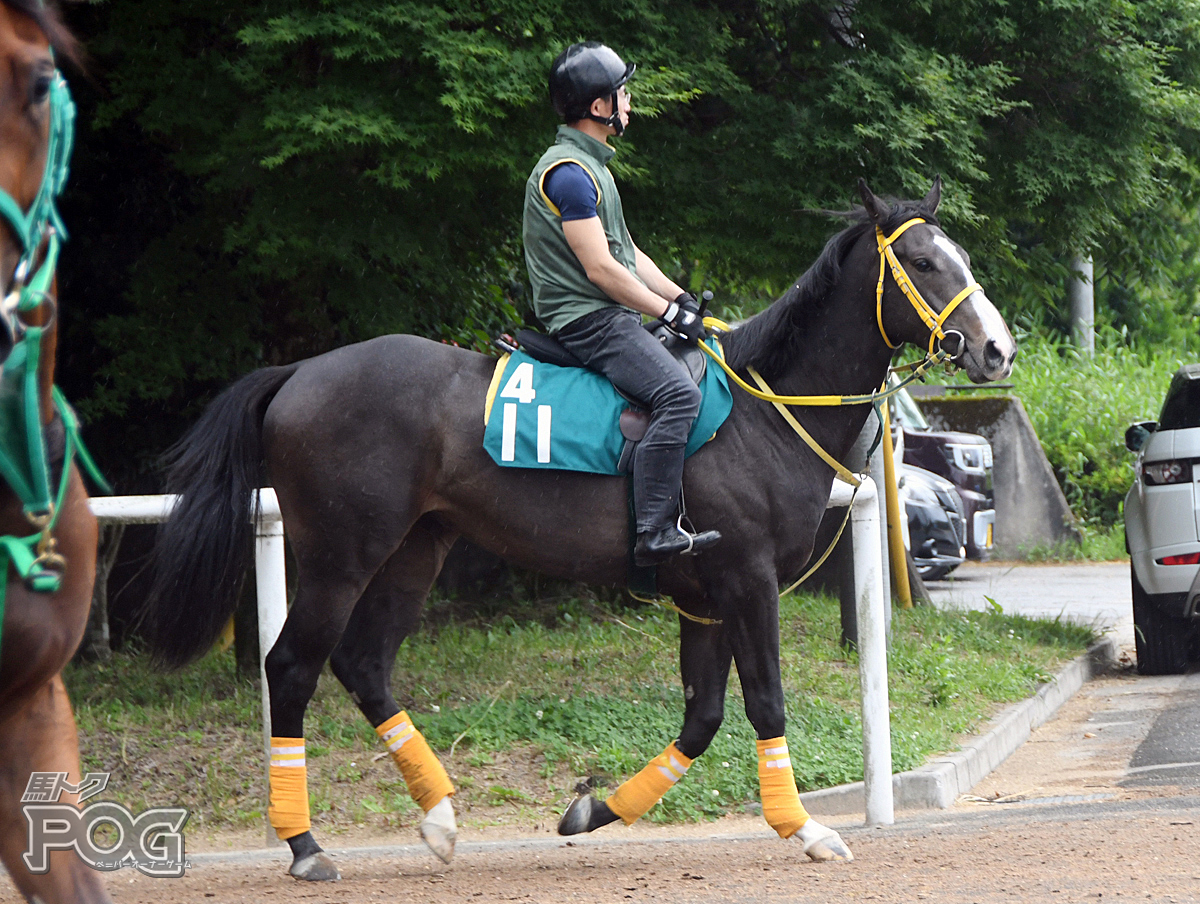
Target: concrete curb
{"x": 938, "y": 784}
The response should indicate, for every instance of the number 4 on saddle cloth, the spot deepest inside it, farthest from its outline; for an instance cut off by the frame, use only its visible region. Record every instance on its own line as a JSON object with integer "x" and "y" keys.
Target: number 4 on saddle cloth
{"x": 569, "y": 418}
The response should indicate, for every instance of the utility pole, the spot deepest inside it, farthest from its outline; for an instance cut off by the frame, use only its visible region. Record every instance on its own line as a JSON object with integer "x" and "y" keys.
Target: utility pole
{"x": 1082, "y": 302}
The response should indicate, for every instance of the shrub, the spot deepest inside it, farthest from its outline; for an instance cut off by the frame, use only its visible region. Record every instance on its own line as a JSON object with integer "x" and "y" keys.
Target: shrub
{"x": 1080, "y": 408}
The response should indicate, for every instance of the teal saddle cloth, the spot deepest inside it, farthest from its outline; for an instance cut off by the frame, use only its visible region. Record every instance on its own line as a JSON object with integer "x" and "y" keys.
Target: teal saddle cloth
{"x": 540, "y": 415}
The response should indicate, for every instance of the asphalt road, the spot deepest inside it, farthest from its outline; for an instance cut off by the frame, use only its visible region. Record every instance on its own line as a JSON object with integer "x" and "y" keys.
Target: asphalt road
{"x": 1169, "y": 754}
{"x": 1162, "y": 715}
{"x": 1089, "y": 594}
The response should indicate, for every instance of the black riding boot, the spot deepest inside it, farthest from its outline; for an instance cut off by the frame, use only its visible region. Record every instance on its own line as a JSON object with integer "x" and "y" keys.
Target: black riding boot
{"x": 657, "y": 481}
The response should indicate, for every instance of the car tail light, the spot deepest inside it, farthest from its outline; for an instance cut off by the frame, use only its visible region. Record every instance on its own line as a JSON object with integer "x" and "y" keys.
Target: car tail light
{"x": 1192, "y": 558}
{"x": 1161, "y": 473}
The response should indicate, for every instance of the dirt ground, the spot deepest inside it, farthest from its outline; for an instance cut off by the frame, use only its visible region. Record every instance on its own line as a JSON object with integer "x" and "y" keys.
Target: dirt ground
{"x": 1053, "y": 823}
{"x": 1130, "y": 851}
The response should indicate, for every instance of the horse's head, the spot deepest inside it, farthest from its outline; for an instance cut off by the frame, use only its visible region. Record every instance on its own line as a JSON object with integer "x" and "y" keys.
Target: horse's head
{"x": 36, "y": 129}
{"x": 932, "y": 300}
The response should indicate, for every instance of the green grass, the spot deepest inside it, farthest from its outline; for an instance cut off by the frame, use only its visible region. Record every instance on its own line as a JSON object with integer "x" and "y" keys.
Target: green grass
{"x": 1099, "y": 544}
{"x": 530, "y": 707}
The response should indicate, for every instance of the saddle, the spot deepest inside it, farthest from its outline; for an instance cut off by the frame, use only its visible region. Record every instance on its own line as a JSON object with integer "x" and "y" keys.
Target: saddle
{"x": 635, "y": 419}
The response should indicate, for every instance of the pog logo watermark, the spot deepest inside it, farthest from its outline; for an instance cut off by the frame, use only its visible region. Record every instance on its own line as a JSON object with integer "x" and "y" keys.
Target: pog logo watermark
{"x": 106, "y": 836}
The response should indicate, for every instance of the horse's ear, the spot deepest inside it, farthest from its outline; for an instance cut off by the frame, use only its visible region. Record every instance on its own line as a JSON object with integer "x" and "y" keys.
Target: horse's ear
{"x": 934, "y": 198}
{"x": 875, "y": 208}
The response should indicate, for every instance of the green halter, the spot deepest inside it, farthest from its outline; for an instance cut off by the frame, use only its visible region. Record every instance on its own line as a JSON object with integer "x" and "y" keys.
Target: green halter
{"x": 24, "y": 464}
{"x": 42, "y": 221}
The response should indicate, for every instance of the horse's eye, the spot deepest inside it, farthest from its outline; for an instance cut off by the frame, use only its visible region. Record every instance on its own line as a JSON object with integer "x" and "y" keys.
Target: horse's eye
{"x": 923, "y": 264}
{"x": 39, "y": 91}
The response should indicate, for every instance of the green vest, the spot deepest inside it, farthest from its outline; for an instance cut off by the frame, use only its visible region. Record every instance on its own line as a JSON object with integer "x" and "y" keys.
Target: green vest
{"x": 562, "y": 291}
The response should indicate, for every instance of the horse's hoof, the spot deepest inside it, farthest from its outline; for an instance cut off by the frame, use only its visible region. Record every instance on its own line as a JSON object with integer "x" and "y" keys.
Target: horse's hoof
{"x": 316, "y": 867}
{"x": 578, "y": 816}
{"x": 822, "y": 843}
{"x": 438, "y": 830}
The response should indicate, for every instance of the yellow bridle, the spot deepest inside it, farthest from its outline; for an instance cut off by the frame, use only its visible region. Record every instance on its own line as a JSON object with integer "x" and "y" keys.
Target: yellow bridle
{"x": 932, "y": 319}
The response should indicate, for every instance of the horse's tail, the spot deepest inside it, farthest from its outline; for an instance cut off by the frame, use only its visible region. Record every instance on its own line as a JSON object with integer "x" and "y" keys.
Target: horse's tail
{"x": 203, "y": 550}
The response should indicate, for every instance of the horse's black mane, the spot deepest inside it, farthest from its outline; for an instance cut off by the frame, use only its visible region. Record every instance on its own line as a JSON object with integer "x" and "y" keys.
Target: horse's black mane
{"x": 771, "y": 340}
{"x": 49, "y": 20}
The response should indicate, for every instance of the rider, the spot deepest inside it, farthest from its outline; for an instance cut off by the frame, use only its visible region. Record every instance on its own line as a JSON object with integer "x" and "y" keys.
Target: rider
{"x": 591, "y": 284}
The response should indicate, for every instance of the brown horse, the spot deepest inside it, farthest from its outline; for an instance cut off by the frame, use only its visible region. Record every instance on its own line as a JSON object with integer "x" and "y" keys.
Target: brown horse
{"x": 41, "y": 626}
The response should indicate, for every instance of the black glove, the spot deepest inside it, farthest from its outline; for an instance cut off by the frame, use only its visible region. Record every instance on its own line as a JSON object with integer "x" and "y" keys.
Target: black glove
{"x": 683, "y": 317}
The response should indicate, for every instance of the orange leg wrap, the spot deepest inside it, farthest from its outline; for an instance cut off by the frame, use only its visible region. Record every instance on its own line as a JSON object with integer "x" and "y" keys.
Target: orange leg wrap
{"x": 781, "y": 802}
{"x": 427, "y": 781}
{"x": 633, "y": 799}
{"x": 288, "y": 810}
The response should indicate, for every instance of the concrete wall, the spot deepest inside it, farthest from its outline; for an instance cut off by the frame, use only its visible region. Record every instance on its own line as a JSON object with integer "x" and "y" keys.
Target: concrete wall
{"x": 1030, "y": 507}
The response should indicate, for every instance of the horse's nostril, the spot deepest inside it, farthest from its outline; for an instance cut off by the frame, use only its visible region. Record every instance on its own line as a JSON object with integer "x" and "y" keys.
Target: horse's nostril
{"x": 993, "y": 355}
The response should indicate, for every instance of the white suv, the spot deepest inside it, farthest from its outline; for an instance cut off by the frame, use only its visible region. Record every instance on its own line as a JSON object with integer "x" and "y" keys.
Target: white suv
{"x": 1162, "y": 529}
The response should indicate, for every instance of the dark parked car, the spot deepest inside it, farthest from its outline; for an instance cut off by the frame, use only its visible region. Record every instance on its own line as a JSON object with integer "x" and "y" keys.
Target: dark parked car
{"x": 936, "y": 528}
{"x": 964, "y": 459}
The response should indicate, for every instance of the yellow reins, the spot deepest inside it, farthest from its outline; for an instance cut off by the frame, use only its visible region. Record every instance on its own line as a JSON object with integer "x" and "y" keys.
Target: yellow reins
{"x": 932, "y": 319}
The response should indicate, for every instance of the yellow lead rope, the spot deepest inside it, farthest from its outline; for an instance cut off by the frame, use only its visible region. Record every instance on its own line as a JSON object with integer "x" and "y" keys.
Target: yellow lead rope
{"x": 841, "y": 470}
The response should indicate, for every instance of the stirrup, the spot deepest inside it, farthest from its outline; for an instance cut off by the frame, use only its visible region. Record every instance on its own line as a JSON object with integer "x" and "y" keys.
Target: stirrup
{"x": 691, "y": 537}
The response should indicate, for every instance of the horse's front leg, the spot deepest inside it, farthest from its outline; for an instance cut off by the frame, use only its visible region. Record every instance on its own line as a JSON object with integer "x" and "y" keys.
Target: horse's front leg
{"x": 39, "y": 738}
{"x": 704, "y": 659}
{"x": 754, "y": 637}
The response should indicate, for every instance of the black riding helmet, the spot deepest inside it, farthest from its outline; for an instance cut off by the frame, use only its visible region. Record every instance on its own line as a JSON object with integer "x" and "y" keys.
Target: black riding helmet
{"x": 584, "y": 72}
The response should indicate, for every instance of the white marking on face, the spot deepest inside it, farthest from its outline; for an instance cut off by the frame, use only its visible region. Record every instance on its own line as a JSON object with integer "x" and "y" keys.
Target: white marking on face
{"x": 990, "y": 320}
{"x": 952, "y": 252}
{"x": 993, "y": 324}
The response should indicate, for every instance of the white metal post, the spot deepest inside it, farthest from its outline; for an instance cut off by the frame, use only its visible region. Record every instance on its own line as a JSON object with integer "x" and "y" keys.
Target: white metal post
{"x": 872, "y": 657}
{"x": 1081, "y": 300}
{"x": 885, "y": 553}
{"x": 270, "y": 581}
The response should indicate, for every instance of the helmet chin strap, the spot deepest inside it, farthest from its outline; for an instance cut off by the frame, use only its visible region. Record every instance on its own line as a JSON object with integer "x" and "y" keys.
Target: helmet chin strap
{"x": 614, "y": 120}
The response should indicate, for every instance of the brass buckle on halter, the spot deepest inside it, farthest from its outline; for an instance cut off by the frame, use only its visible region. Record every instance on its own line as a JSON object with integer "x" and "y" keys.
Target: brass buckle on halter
{"x": 49, "y": 565}
{"x": 41, "y": 520}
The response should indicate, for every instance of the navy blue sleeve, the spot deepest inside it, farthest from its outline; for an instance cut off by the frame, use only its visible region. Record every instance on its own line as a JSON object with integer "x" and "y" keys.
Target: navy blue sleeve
{"x": 571, "y": 190}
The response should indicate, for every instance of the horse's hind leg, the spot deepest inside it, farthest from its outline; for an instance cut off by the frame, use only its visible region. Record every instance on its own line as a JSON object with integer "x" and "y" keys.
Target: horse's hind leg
{"x": 704, "y": 659}
{"x": 332, "y": 577}
{"x": 389, "y": 611}
{"x": 40, "y": 737}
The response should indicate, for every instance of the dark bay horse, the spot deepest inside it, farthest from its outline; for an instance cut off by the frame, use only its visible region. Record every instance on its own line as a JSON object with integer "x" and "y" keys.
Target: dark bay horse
{"x": 376, "y": 453}
{"x": 41, "y": 626}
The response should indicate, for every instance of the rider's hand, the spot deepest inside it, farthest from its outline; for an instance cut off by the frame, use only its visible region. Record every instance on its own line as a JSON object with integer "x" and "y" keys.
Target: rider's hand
{"x": 683, "y": 317}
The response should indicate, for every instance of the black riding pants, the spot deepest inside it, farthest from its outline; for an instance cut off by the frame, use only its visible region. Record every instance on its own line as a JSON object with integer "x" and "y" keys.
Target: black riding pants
{"x": 613, "y": 342}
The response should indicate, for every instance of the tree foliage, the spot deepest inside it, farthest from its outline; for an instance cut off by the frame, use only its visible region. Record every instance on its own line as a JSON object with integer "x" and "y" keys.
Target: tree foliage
{"x": 256, "y": 183}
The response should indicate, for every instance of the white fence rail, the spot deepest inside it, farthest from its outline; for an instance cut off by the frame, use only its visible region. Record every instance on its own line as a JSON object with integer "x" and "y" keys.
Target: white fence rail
{"x": 271, "y": 583}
